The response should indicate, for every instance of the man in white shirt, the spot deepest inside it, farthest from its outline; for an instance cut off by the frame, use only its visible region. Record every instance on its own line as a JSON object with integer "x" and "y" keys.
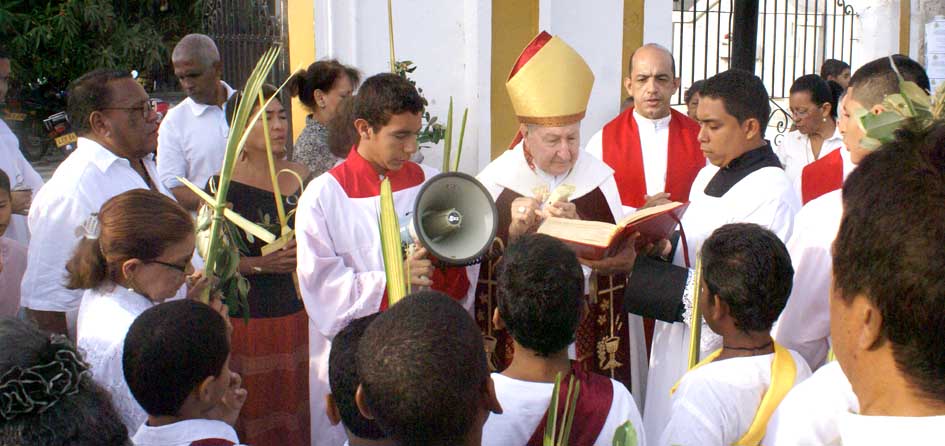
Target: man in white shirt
{"x": 24, "y": 180}
{"x": 744, "y": 184}
{"x": 117, "y": 131}
{"x": 804, "y": 325}
{"x": 889, "y": 291}
{"x": 193, "y": 135}
{"x": 653, "y": 149}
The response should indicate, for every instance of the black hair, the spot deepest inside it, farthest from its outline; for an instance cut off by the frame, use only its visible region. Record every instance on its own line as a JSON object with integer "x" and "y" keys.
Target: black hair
{"x": 833, "y": 67}
{"x": 423, "y": 370}
{"x": 267, "y": 90}
{"x": 4, "y": 182}
{"x": 320, "y": 75}
{"x": 382, "y": 96}
{"x": 889, "y": 249}
{"x": 169, "y": 350}
{"x": 742, "y": 93}
{"x": 818, "y": 90}
{"x": 343, "y": 378}
{"x": 90, "y": 93}
{"x": 341, "y": 132}
{"x": 695, "y": 88}
{"x": 873, "y": 81}
{"x": 83, "y": 418}
{"x": 540, "y": 292}
{"x": 749, "y": 268}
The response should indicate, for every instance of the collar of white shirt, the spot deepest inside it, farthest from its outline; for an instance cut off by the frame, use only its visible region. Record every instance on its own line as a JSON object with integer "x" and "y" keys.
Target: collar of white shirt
{"x": 184, "y": 432}
{"x": 878, "y": 430}
{"x": 199, "y": 109}
{"x": 97, "y": 154}
{"x": 656, "y": 124}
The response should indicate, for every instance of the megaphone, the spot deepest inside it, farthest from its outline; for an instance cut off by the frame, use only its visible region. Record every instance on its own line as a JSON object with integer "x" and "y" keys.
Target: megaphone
{"x": 454, "y": 218}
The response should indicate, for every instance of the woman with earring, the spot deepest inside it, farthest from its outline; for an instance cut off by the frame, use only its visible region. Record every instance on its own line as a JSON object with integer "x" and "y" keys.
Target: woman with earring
{"x": 270, "y": 349}
{"x": 321, "y": 88}
{"x": 135, "y": 253}
{"x": 813, "y": 106}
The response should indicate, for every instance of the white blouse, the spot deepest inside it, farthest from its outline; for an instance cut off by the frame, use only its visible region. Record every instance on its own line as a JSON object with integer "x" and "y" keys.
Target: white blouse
{"x": 795, "y": 151}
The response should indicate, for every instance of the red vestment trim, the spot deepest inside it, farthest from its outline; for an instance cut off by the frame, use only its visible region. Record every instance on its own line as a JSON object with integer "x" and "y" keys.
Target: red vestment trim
{"x": 593, "y": 407}
{"x": 822, "y": 176}
{"x": 359, "y": 179}
{"x": 212, "y": 442}
{"x": 622, "y": 152}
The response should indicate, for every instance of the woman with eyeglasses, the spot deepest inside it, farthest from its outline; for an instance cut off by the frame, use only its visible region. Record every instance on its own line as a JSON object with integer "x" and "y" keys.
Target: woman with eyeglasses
{"x": 134, "y": 254}
{"x": 813, "y": 106}
{"x": 270, "y": 351}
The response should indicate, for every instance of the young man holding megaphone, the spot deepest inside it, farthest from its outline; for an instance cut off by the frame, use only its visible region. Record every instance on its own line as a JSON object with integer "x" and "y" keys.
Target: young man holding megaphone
{"x": 547, "y": 174}
{"x": 340, "y": 265}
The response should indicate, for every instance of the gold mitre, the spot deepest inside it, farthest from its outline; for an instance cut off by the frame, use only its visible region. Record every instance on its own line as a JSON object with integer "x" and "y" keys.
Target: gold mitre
{"x": 550, "y": 83}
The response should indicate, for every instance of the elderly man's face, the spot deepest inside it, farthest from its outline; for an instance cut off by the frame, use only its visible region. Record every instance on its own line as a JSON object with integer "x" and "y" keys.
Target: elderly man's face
{"x": 198, "y": 79}
{"x": 132, "y": 123}
{"x": 554, "y": 150}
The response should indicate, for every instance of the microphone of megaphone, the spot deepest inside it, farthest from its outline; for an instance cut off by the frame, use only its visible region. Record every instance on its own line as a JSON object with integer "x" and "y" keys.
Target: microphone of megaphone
{"x": 454, "y": 218}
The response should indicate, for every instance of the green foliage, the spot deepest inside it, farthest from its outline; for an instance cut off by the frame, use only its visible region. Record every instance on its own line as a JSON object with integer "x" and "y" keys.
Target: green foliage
{"x": 59, "y": 40}
{"x": 626, "y": 435}
{"x": 558, "y": 434}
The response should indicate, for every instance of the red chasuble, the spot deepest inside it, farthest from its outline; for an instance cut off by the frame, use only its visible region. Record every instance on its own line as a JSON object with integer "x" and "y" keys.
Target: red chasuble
{"x": 591, "y": 411}
{"x": 359, "y": 180}
{"x": 822, "y": 176}
{"x": 622, "y": 152}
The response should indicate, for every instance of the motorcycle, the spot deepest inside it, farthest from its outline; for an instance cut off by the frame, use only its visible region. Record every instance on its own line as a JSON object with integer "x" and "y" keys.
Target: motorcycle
{"x": 60, "y": 131}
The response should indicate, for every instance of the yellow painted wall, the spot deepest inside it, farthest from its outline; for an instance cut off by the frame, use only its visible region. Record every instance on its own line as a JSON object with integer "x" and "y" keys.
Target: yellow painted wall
{"x": 514, "y": 24}
{"x": 632, "y": 36}
{"x": 301, "y": 15}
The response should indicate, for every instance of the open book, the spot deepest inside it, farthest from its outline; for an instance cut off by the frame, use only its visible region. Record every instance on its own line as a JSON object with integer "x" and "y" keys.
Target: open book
{"x": 593, "y": 239}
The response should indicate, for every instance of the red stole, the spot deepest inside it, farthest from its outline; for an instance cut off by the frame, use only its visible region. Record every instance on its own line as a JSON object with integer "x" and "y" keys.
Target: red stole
{"x": 623, "y": 153}
{"x": 593, "y": 407}
{"x": 359, "y": 180}
{"x": 822, "y": 176}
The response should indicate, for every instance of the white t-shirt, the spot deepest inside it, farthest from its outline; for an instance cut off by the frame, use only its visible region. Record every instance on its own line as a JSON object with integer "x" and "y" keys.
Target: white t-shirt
{"x": 192, "y": 142}
{"x": 716, "y": 403}
{"x": 22, "y": 177}
{"x": 105, "y": 316}
{"x": 810, "y": 413}
{"x": 183, "y": 433}
{"x": 525, "y": 403}
{"x": 862, "y": 430}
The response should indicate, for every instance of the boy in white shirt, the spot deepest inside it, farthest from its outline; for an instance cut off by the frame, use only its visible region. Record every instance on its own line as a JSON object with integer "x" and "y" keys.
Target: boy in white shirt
{"x": 729, "y": 396}
{"x": 176, "y": 361}
{"x": 541, "y": 303}
{"x": 12, "y": 255}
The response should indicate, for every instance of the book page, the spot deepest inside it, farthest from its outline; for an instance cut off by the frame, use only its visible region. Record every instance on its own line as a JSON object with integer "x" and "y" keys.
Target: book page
{"x": 595, "y": 233}
{"x": 644, "y": 213}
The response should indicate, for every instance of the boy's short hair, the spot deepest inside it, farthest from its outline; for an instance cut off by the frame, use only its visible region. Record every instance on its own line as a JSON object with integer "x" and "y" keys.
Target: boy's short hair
{"x": 343, "y": 378}
{"x": 169, "y": 350}
{"x": 873, "y": 81}
{"x": 540, "y": 289}
{"x": 749, "y": 268}
{"x": 384, "y": 95}
{"x": 889, "y": 249}
{"x": 4, "y": 182}
{"x": 423, "y": 370}
{"x": 742, "y": 93}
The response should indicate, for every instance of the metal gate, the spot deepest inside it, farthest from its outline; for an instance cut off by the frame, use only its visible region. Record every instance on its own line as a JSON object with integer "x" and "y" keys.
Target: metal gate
{"x": 794, "y": 38}
{"x": 243, "y": 30}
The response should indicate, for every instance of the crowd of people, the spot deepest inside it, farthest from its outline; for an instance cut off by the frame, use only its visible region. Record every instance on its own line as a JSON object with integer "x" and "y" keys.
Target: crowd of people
{"x": 812, "y": 268}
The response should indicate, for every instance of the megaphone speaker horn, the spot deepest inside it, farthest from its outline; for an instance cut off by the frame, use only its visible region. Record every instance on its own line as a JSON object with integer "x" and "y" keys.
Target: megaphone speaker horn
{"x": 454, "y": 218}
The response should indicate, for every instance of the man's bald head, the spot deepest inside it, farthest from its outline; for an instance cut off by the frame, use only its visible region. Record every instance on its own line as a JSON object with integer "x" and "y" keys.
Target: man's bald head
{"x": 653, "y": 49}
{"x": 198, "y": 48}
{"x": 197, "y": 66}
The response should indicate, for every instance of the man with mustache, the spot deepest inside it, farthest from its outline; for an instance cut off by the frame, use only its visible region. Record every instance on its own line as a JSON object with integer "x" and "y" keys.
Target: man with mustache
{"x": 193, "y": 134}
{"x": 117, "y": 128}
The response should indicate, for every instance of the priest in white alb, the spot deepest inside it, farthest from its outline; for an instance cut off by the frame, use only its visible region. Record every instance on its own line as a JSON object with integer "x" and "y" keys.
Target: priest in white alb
{"x": 546, "y": 173}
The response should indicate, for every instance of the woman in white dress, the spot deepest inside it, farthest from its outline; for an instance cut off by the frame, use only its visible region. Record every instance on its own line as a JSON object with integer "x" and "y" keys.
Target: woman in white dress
{"x": 135, "y": 254}
{"x": 813, "y": 106}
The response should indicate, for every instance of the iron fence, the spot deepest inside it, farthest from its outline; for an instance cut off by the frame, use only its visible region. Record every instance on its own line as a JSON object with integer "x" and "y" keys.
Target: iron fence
{"x": 243, "y": 31}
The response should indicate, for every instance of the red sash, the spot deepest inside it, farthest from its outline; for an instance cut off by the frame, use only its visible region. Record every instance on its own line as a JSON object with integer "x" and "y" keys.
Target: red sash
{"x": 822, "y": 176}
{"x": 622, "y": 152}
{"x": 593, "y": 407}
{"x": 212, "y": 442}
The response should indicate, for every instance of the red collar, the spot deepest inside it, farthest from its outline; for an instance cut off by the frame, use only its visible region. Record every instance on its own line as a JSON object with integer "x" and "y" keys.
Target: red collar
{"x": 359, "y": 179}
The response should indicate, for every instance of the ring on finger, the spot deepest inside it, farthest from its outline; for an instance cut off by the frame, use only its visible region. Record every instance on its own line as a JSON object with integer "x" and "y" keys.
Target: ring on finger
{"x": 522, "y": 209}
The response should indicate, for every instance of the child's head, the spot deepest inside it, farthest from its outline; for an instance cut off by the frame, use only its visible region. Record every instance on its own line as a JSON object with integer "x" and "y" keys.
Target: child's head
{"x": 386, "y": 113}
{"x": 48, "y": 394}
{"x": 540, "y": 293}
{"x": 176, "y": 354}
{"x": 748, "y": 277}
{"x": 423, "y": 373}
{"x": 6, "y": 202}
{"x": 343, "y": 379}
